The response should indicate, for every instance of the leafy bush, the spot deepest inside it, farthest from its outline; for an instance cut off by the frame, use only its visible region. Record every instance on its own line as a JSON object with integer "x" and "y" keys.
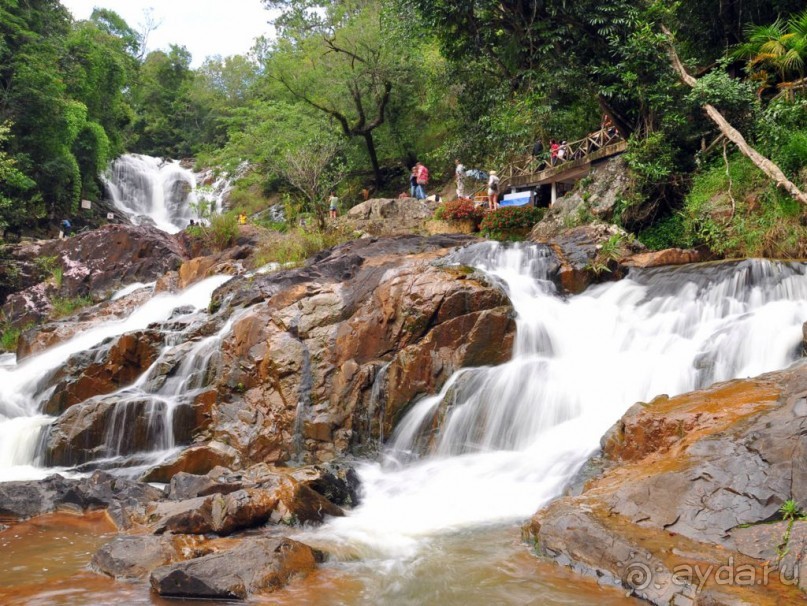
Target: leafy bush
{"x": 461, "y": 209}
{"x": 295, "y": 246}
{"x": 223, "y": 230}
{"x": 511, "y": 222}
{"x": 670, "y": 232}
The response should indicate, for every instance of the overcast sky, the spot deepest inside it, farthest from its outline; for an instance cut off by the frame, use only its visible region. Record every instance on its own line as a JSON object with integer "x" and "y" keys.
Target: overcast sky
{"x": 205, "y": 27}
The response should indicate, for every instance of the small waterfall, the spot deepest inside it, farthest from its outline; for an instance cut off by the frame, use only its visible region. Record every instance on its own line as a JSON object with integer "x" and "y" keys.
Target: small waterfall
{"x": 152, "y": 189}
{"x": 21, "y": 393}
{"x": 499, "y": 442}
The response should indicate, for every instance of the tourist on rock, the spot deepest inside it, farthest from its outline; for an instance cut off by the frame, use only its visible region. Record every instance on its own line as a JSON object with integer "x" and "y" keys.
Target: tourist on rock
{"x": 422, "y": 179}
{"x": 493, "y": 191}
{"x": 460, "y": 174}
{"x": 67, "y": 228}
{"x": 242, "y": 219}
{"x": 333, "y": 205}
{"x": 413, "y": 181}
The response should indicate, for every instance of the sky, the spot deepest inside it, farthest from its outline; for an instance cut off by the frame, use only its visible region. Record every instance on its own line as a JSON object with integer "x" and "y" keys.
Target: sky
{"x": 205, "y": 27}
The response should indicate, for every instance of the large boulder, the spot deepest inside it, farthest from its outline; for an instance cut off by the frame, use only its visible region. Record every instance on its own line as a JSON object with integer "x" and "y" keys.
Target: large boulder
{"x": 94, "y": 263}
{"x": 114, "y": 425}
{"x": 278, "y": 498}
{"x": 390, "y": 216}
{"x": 125, "y": 500}
{"x": 134, "y": 557}
{"x": 588, "y": 254}
{"x": 98, "y": 372}
{"x": 685, "y": 480}
{"x": 256, "y": 564}
{"x": 327, "y": 357}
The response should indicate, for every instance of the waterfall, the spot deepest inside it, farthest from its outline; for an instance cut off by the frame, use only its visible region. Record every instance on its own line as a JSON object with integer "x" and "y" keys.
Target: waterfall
{"x": 499, "y": 442}
{"x": 161, "y": 191}
{"x": 22, "y": 393}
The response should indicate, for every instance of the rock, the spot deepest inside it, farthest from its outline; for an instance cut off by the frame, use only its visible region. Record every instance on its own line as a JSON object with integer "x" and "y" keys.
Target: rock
{"x": 134, "y": 557}
{"x": 390, "y": 216}
{"x": 96, "y": 263}
{"x": 336, "y": 482}
{"x": 277, "y": 498}
{"x": 196, "y": 459}
{"x": 693, "y": 480}
{"x": 301, "y": 364}
{"x": 104, "y": 370}
{"x": 668, "y": 256}
{"x": 586, "y": 254}
{"x": 43, "y": 336}
{"x": 125, "y": 500}
{"x": 258, "y": 564}
{"x": 111, "y": 425}
{"x": 594, "y": 198}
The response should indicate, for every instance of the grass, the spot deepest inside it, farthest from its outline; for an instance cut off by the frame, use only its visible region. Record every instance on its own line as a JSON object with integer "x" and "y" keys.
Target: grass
{"x": 64, "y": 306}
{"x": 296, "y": 245}
{"x": 9, "y": 338}
{"x": 760, "y": 222}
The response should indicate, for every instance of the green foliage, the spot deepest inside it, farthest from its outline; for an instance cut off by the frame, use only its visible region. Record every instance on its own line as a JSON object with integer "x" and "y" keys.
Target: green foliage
{"x": 670, "y": 232}
{"x": 295, "y": 246}
{"x": 65, "y": 306}
{"x": 9, "y": 337}
{"x": 511, "y": 222}
{"x": 223, "y": 230}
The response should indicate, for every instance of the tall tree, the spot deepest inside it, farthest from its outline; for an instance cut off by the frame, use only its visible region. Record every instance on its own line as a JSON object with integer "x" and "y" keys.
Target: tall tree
{"x": 337, "y": 60}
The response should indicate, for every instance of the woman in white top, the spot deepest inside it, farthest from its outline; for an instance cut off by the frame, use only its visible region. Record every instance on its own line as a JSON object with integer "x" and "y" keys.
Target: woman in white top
{"x": 493, "y": 191}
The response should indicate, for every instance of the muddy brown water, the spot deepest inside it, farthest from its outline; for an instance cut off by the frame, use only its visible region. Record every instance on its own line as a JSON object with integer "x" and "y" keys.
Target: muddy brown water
{"x": 44, "y": 562}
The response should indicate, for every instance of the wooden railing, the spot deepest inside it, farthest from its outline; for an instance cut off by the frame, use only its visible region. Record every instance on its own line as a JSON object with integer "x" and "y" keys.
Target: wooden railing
{"x": 574, "y": 152}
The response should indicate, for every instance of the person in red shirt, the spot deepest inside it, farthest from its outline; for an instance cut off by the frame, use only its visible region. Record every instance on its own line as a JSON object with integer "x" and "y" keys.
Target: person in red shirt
{"x": 422, "y": 179}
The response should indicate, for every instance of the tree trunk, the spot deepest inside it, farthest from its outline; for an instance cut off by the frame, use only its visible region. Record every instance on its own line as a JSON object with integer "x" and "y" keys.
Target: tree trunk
{"x": 368, "y": 139}
{"x": 733, "y": 135}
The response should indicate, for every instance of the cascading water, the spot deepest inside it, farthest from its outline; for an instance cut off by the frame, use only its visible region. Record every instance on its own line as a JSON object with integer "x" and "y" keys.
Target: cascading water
{"x": 497, "y": 443}
{"x": 22, "y": 390}
{"x": 162, "y": 191}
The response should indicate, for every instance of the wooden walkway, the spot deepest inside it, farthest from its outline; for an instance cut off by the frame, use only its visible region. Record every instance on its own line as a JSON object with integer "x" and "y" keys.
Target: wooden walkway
{"x": 578, "y": 158}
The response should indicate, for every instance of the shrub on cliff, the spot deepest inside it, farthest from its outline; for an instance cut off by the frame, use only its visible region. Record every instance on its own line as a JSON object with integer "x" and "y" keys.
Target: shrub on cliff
{"x": 511, "y": 222}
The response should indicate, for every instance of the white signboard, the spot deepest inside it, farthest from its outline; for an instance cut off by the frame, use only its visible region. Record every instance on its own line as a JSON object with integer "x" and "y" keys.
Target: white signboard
{"x": 86, "y": 204}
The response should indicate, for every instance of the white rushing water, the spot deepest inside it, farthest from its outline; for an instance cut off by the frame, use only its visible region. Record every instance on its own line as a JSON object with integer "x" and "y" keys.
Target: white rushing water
{"x": 511, "y": 437}
{"x": 21, "y": 385}
{"x": 162, "y": 192}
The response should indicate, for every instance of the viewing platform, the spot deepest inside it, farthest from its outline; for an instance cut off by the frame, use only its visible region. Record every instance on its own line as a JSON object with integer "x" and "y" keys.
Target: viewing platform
{"x": 576, "y": 164}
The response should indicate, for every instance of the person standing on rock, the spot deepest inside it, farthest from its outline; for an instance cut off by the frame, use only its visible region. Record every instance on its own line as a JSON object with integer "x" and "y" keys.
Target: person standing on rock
{"x": 460, "y": 174}
{"x": 423, "y": 181}
{"x": 333, "y": 205}
{"x": 493, "y": 191}
{"x": 413, "y": 181}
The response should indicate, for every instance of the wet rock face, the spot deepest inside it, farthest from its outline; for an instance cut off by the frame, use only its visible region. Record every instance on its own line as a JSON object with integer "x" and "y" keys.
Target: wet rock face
{"x": 92, "y": 373}
{"x": 259, "y": 564}
{"x": 93, "y": 263}
{"x": 326, "y": 358}
{"x": 691, "y": 475}
{"x": 111, "y": 425}
{"x": 580, "y": 252}
{"x": 125, "y": 500}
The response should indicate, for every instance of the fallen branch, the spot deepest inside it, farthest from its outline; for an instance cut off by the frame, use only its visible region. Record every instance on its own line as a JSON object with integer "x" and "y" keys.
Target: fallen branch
{"x": 733, "y": 135}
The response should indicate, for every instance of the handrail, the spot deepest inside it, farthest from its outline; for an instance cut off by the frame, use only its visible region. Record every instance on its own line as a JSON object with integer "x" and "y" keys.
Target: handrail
{"x": 574, "y": 151}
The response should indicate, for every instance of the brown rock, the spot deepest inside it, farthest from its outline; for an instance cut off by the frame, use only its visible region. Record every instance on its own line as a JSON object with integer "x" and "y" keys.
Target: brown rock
{"x": 257, "y": 564}
{"x": 668, "y": 256}
{"x": 196, "y": 459}
{"x": 85, "y": 376}
{"x": 689, "y": 481}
